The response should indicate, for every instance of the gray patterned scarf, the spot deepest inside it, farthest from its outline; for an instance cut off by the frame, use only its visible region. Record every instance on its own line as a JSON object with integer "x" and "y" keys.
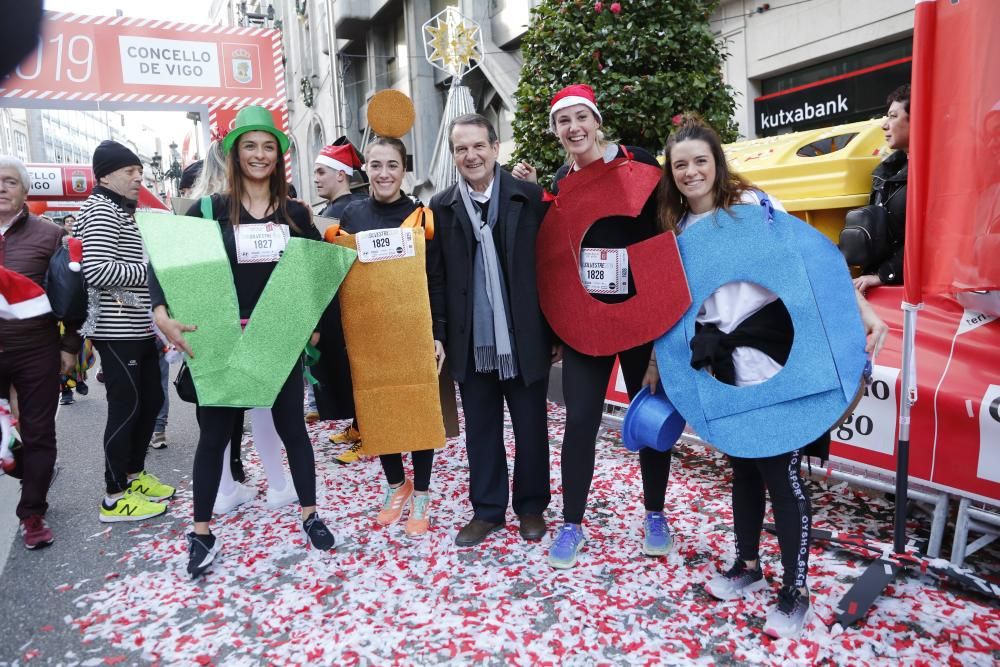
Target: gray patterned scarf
{"x": 493, "y": 347}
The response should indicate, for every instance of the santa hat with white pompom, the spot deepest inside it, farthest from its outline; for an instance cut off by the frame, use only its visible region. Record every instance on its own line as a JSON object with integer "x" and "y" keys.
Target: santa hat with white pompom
{"x": 21, "y": 297}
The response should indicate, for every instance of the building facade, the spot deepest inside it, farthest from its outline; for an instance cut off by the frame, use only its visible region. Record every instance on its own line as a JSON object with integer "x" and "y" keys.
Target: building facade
{"x": 793, "y": 64}
{"x": 798, "y": 65}
{"x": 338, "y": 54}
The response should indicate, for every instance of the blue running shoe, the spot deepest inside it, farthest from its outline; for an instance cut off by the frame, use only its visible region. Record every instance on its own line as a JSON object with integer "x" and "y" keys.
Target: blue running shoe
{"x": 657, "y": 540}
{"x": 566, "y": 545}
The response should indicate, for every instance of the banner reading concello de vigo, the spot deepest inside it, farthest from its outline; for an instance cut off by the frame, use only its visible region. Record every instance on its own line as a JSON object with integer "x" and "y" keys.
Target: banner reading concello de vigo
{"x": 118, "y": 62}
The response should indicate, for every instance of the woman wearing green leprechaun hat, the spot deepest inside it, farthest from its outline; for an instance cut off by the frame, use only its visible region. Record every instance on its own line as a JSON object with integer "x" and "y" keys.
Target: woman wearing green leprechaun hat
{"x": 256, "y": 218}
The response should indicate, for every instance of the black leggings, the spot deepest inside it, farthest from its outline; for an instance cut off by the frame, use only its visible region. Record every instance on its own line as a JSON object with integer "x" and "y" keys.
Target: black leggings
{"x": 423, "y": 461}
{"x": 779, "y": 475}
{"x": 235, "y": 437}
{"x": 135, "y": 395}
{"x": 585, "y": 383}
{"x": 217, "y": 428}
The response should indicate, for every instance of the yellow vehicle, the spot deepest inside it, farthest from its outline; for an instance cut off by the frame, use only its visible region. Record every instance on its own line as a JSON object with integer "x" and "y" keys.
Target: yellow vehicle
{"x": 818, "y": 175}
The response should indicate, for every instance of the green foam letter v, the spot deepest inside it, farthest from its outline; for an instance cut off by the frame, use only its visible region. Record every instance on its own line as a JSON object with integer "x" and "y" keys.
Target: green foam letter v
{"x": 234, "y": 368}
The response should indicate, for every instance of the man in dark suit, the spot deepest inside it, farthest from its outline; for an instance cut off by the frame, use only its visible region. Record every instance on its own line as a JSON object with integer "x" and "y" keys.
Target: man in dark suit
{"x": 481, "y": 275}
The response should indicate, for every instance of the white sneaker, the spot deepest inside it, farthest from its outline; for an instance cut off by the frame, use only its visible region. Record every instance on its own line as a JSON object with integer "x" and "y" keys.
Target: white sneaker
{"x": 789, "y": 615}
{"x": 280, "y": 497}
{"x": 224, "y": 504}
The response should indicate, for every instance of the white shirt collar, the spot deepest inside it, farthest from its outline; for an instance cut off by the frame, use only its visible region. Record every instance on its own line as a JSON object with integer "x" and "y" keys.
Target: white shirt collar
{"x": 481, "y": 197}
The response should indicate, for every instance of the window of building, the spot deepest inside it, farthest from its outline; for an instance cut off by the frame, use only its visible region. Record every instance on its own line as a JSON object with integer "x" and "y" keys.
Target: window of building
{"x": 21, "y": 146}
{"x": 6, "y": 132}
{"x": 353, "y": 62}
{"x": 397, "y": 56}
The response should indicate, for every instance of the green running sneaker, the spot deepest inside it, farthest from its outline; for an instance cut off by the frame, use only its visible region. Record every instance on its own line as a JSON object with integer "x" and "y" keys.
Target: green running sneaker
{"x": 133, "y": 506}
{"x": 151, "y": 487}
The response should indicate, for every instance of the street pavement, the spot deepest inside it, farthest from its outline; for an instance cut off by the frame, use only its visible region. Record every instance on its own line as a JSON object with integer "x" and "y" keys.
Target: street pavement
{"x": 33, "y": 599}
{"x": 34, "y": 604}
{"x": 118, "y": 594}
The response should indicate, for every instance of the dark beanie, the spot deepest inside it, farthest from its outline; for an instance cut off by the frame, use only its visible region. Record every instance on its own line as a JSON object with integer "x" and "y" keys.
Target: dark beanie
{"x": 111, "y": 156}
{"x": 190, "y": 175}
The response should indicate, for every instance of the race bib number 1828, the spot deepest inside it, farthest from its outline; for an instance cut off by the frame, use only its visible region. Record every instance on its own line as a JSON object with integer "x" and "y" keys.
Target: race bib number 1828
{"x": 604, "y": 270}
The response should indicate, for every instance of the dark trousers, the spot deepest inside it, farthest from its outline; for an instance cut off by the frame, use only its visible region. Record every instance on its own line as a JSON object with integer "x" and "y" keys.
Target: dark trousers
{"x": 34, "y": 374}
{"x": 585, "y": 383}
{"x": 217, "y": 426}
{"x": 779, "y": 477}
{"x": 133, "y": 384}
{"x": 483, "y": 396}
{"x": 423, "y": 463}
{"x": 235, "y": 436}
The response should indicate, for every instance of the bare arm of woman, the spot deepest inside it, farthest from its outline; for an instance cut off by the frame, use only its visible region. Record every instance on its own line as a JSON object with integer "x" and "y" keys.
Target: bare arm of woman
{"x": 875, "y": 329}
{"x": 173, "y": 330}
{"x": 652, "y": 376}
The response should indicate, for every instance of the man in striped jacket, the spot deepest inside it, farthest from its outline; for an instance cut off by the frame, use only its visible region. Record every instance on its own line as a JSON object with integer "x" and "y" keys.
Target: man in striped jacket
{"x": 120, "y": 324}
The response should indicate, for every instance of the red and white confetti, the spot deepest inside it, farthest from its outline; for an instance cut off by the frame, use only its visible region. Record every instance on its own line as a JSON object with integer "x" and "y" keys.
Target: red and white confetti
{"x": 383, "y": 598}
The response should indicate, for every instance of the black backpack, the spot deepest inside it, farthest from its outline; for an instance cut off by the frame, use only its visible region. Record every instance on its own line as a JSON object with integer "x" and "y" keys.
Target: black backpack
{"x": 865, "y": 239}
{"x": 66, "y": 288}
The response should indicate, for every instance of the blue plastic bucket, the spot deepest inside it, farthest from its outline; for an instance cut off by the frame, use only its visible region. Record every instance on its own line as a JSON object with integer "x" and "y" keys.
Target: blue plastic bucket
{"x": 651, "y": 421}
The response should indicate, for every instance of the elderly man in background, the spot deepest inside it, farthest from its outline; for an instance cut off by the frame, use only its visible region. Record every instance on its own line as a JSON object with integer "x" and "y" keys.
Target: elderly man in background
{"x": 32, "y": 352}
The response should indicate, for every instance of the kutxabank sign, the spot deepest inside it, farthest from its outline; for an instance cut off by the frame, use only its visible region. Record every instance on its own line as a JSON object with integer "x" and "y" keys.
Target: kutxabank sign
{"x": 86, "y": 59}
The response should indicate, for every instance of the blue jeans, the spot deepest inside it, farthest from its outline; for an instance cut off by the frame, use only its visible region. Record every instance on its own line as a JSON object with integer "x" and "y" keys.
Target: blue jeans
{"x": 310, "y": 397}
{"x": 161, "y": 418}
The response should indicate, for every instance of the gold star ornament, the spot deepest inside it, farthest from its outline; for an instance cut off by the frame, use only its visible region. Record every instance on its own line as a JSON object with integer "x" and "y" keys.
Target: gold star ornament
{"x": 453, "y": 43}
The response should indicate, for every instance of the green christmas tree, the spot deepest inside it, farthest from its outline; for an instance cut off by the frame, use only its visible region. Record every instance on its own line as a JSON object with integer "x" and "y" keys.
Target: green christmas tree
{"x": 647, "y": 61}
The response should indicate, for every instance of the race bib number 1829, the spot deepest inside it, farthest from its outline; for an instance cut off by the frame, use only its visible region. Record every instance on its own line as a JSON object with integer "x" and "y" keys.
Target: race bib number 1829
{"x": 381, "y": 244}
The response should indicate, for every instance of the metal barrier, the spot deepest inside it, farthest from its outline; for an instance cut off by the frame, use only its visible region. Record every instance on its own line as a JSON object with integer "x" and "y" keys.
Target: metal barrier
{"x": 935, "y": 503}
{"x": 973, "y": 519}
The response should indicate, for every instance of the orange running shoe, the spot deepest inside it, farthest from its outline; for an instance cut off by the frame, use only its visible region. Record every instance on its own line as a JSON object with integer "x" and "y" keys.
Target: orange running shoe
{"x": 394, "y": 502}
{"x": 419, "y": 520}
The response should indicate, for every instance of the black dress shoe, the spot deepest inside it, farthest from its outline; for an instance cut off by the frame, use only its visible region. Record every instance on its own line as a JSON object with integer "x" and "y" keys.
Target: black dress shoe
{"x": 532, "y": 527}
{"x": 475, "y": 532}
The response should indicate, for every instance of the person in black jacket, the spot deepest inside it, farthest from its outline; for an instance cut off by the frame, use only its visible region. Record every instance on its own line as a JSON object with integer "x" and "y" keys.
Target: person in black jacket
{"x": 484, "y": 301}
{"x": 889, "y": 191}
{"x": 332, "y": 174}
{"x": 334, "y": 397}
{"x": 256, "y": 207}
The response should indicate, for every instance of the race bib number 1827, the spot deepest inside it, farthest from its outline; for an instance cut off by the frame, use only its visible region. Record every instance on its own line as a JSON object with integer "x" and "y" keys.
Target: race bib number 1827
{"x": 260, "y": 242}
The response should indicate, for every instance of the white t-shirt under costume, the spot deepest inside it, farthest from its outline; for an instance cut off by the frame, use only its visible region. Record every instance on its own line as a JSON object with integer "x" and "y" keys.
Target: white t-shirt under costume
{"x": 732, "y": 303}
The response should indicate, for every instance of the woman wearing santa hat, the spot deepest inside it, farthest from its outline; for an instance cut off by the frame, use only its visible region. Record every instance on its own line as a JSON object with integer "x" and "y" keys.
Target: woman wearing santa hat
{"x": 575, "y": 119}
{"x": 256, "y": 203}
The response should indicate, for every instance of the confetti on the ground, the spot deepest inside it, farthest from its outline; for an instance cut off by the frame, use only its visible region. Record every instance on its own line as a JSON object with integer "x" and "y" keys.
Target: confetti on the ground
{"x": 383, "y": 598}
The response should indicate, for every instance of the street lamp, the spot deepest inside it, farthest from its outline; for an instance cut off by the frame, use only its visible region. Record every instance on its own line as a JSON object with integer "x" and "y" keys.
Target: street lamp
{"x": 156, "y": 166}
{"x": 174, "y": 173}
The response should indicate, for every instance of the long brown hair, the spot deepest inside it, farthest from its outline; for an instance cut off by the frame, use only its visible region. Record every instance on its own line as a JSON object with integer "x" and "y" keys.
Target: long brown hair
{"x": 278, "y": 187}
{"x": 727, "y": 189}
